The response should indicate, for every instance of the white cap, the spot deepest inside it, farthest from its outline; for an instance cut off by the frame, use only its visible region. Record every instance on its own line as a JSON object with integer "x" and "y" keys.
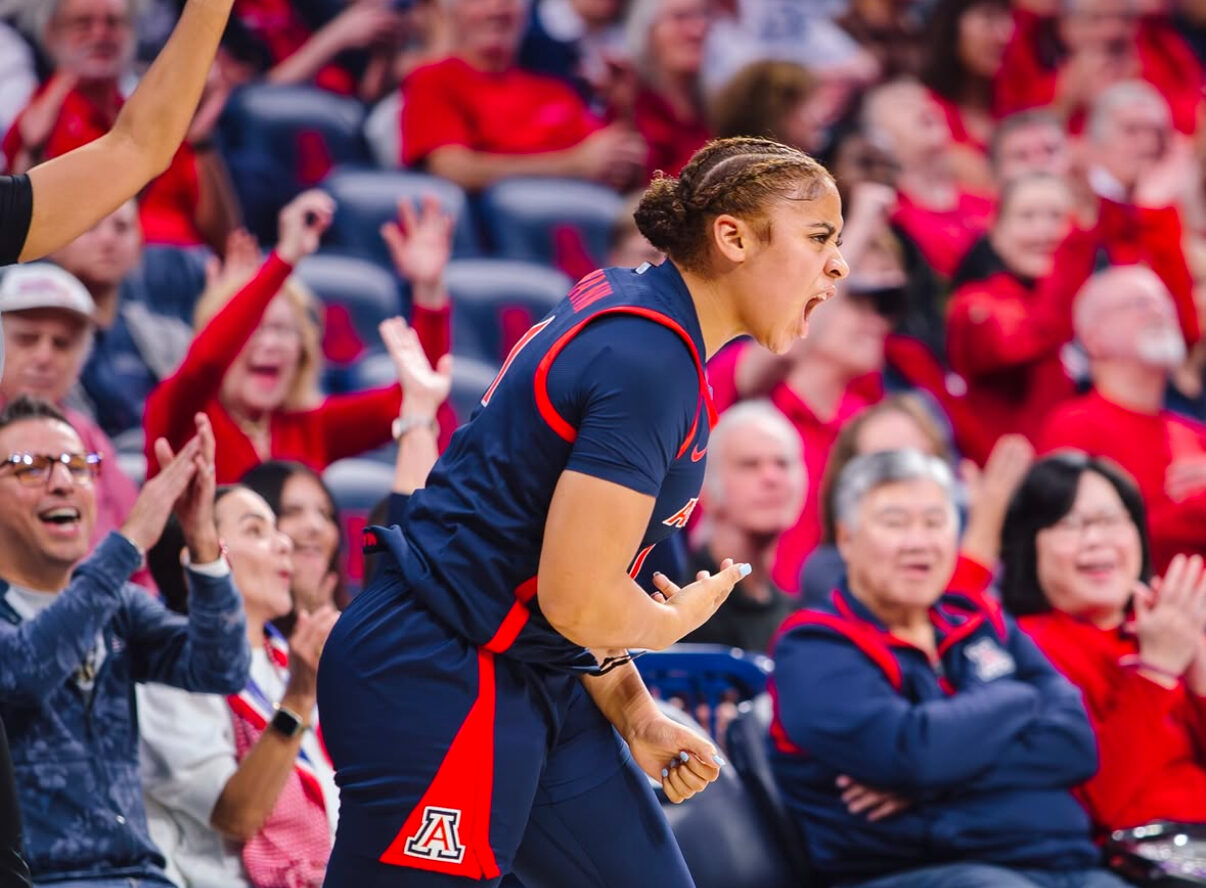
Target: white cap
{"x": 43, "y": 285}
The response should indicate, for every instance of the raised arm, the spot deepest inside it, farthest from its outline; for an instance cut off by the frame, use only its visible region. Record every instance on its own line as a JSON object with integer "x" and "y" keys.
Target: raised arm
{"x": 73, "y": 192}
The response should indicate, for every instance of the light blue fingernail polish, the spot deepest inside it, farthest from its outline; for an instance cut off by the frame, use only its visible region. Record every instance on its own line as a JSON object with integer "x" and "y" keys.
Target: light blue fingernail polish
{"x": 665, "y": 772}
{"x": 684, "y": 756}
{"x": 744, "y": 569}
{"x": 719, "y": 759}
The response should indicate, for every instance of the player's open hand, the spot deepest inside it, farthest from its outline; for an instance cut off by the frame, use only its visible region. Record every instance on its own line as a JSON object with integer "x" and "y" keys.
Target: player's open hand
{"x": 680, "y": 759}
{"x": 695, "y": 603}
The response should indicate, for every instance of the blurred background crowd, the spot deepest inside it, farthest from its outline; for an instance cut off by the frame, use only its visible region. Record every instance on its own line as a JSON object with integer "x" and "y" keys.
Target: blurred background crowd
{"x": 1025, "y": 223}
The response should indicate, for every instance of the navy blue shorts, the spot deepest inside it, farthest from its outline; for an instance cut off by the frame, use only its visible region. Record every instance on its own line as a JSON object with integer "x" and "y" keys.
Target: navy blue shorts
{"x": 456, "y": 764}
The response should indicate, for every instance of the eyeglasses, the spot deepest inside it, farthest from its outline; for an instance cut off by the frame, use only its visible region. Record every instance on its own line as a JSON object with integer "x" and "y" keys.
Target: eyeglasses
{"x": 1109, "y": 523}
{"x": 32, "y": 469}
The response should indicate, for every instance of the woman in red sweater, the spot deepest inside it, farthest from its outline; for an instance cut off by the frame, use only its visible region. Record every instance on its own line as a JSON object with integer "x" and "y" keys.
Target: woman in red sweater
{"x": 254, "y": 364}
{"x": 1074, "y": 554}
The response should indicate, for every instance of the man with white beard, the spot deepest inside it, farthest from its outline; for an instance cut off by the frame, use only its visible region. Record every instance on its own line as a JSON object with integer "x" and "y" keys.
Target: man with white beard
{"x": 1126, "y": 320}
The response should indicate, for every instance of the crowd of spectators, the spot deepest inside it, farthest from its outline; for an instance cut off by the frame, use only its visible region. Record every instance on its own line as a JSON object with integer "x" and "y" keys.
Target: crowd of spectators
{"x": 973, "y": 498}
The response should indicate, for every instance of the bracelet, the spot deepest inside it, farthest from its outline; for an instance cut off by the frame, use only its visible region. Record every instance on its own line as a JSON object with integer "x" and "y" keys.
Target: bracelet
{"x": 404, "y": 424}
{"x": 1134, "y": 661}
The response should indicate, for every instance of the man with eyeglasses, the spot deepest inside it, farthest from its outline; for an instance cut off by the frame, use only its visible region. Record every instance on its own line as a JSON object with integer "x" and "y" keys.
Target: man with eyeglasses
{"x": 1127, "y": 322}
{"x": 48, "y": 325}
{"x": 75, "y": 637}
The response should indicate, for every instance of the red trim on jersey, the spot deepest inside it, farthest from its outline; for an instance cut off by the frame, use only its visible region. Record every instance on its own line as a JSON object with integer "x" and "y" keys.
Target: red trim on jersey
{"x": 558, "y": 423}
{"x": 640, "y": 561}
{"x": 512, "y": 355}
{"x": 463, "y": 784}
{"x": 515, "y": 620}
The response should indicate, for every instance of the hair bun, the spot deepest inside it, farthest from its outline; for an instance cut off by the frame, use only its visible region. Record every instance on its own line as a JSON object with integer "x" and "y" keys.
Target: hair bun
{"x": 661, "y": 215}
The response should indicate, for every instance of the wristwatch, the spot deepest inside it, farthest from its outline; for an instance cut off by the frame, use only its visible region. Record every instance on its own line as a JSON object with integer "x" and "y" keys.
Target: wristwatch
{"x": 404, "y": 424}
{"x": 286, "y": 722}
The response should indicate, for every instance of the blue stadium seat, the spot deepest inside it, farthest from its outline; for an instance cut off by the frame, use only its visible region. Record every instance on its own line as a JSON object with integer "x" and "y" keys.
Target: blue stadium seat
{"x": 357, "y": 485}
{"x": 745, "y": 742}
{"x": 705, "y": 673}
{"x": 357, "y": 295}
{"x": 367, "y": 198}
{"x": 521, "y": 216}
{"x": 496, "y": 300}
{"x": 279, "y": 140}
{"x": 724, "y": 835}
{"x": 168, "y": 280}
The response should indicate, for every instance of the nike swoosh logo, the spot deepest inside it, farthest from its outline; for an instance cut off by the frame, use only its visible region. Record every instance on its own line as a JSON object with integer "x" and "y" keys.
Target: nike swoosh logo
{"x": 697, "y": 454}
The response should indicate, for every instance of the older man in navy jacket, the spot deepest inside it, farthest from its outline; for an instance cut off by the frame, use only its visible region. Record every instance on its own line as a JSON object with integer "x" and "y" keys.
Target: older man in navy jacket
{"x": 920, "y": 739}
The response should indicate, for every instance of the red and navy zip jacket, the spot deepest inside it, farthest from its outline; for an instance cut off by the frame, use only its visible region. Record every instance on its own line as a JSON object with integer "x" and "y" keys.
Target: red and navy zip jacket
{"x": 610, "y": 384}
{"x": 985, "y": 741}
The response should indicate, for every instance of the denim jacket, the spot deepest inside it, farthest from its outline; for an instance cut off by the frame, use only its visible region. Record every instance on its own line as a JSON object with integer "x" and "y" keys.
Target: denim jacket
{"x": 75, "y": 751}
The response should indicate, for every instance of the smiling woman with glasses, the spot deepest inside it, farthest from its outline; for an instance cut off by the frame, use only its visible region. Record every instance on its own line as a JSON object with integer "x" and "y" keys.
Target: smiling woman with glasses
{"x": 1077, "y": 575}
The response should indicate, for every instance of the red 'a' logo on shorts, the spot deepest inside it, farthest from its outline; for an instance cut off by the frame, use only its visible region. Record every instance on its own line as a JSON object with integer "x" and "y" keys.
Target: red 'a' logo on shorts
{"x": 438, "y": 837}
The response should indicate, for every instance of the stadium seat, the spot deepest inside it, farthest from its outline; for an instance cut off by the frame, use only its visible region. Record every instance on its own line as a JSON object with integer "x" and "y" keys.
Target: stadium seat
{"x": 470, "y": 379}
{"x": 745, "y": 742}
{"x": 724, "y": 835}
{"x": 383, "y": 132}
{"x": 705, "y": 673}
{"x": 357, "y": 296}
{"x": 495, "y": 301}
{"x": 168, "y": 280}
{"x": 367, "y": 198}
{"x": 279, "y": 140}
{"x": 357, "y": 485}
{"x": 522, "y": 215}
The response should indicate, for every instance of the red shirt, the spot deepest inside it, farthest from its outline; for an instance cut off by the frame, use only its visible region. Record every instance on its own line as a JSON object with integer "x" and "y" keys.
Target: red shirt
{"x": 510, "y": 112}
{"x": 954, "y": 119}
{"x": 671, "y": 139}
{"x": 342, "y": 426}
{"x": 944, "y": 236}
{"x": 817, "y": 436}
{"x": 1149, "y": 738}
{"x": 169, "y": 203}
{"x": 1028, "y": 80}
{"x": 1143, "y": 444}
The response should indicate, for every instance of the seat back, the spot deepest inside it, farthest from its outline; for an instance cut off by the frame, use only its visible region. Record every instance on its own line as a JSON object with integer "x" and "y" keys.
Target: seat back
{"x": 724, "y": 835}
{"x": 357, "y": 485}
{"x": 705, "y": 673}
{"x": 745, "y": 742}
{"x": 367, "y": 198}
{"x": 279, "y": 140}
{"x": 522, "y": 216}
{"x": 495, "y": 302}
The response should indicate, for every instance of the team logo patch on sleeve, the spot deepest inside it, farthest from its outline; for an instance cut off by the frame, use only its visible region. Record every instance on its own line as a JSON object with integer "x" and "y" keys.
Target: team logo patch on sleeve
{"x": 990, "y": 660}
{"x": 438, "y": 837}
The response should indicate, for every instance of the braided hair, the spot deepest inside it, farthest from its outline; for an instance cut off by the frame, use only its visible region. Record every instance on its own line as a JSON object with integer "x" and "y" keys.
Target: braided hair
{"x": 738, "y": 176}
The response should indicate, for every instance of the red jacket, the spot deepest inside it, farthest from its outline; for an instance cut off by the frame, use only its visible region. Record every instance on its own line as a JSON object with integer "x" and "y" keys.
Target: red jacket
{"x": 1149, "y": 738}
{"x": 1030, "y": 70}
{"x": 1144, "y": 445}
{"x": 944, "y": 236}
{"x": 341, "y": 426}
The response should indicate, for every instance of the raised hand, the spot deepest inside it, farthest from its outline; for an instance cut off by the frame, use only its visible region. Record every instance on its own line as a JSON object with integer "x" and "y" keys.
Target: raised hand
{"x": 1185, "y": 477}
{"x": 424, "y": 389}
{"x": 302, "y": 223}
{"x": 194, "y": 508}
{"x": 144, "y": 524}
{"x": 239, "y": 264}
{"x": 420, "y": 245}
{"x": 1170, "y": 617}
{"x": 305, "y": 648}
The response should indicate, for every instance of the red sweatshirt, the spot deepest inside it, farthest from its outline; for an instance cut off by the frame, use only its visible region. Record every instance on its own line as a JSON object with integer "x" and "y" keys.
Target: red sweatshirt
{"x": 944, "y": 236}
{"x": 1149, "y": 738}
{"x": 342, "y": 426}
{"x": 1144, "y": 445}
{"x": 1028, "y": 80}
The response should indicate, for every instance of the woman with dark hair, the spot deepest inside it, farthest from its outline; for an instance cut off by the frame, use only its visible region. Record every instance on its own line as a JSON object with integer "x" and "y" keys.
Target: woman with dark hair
{"x": 965, "y": 47}
{"x": 306, "y": 513}
{"x": 1076, "y": 574}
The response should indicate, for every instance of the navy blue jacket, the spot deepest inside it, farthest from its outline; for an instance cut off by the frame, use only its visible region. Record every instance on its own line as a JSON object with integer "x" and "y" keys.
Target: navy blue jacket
{"x": 75, "y": 752}
{"x": 986, "y": 742}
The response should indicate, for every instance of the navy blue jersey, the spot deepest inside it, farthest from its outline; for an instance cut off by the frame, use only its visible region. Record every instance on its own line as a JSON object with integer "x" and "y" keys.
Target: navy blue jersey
{"x": 610, "y": 384}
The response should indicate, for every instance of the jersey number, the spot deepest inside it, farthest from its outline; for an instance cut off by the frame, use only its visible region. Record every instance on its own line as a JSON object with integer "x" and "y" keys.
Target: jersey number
{"x": 515, "y": 350}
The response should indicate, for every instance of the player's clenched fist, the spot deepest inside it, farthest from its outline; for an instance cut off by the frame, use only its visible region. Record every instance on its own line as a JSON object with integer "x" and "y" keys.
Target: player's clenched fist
{"x": 683, "y": 761}
{"x": 695, "y": 603}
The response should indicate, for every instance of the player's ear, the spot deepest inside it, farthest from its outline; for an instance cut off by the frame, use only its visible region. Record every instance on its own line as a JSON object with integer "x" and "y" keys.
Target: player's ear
{"x": 731, "y": 237}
